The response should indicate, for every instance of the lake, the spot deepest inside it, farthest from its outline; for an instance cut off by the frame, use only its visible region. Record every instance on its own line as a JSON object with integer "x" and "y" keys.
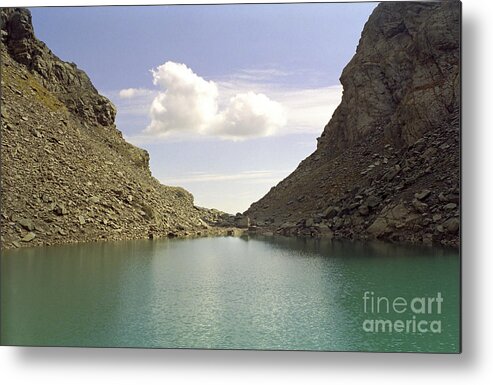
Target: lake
{"x": 233, "y": 293}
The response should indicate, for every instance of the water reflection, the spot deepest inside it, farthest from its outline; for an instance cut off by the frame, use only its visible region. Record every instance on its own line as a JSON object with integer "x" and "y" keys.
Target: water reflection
{"x": 243, "y": 293}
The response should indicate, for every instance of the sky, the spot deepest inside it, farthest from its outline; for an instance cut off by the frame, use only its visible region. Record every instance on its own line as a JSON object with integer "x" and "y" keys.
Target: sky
{"x": 227, "y": 99}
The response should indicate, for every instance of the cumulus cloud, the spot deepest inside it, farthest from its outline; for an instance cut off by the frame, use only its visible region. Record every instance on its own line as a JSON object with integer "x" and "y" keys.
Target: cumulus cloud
{"x": 249, "y": 115}
{"x": 187, "y": 103}
{"x": 308, "y": 108}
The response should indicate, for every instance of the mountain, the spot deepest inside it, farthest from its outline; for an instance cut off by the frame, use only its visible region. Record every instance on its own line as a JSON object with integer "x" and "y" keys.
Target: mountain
{"x": 67, "y": 173}
{"x": 387, "y": 164}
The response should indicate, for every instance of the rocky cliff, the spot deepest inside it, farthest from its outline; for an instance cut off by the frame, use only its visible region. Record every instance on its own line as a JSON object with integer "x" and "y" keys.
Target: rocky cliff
{"x": 387, "y": 164}
{"x": 67, "y": 173}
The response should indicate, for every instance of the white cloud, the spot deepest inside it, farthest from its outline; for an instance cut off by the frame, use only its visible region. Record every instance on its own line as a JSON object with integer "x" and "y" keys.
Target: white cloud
{"x": 243, "y": 176}
{"x": 248, "y": 104}
{"x": 260, "y": 74}
{"x": 189, "y": 104}
{"x": 308, "y": 109}
{"x": 249, "y": 115}
{"x": 227, "y": 191}
{"x": 129, "y": 93}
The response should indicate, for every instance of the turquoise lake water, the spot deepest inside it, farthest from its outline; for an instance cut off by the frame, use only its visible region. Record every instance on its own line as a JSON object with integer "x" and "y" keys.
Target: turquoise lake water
{"x": 232, "y": 293}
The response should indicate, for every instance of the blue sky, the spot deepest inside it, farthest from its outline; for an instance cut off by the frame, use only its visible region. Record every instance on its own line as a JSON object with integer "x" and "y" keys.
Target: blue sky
{"x": 238, "y": 93}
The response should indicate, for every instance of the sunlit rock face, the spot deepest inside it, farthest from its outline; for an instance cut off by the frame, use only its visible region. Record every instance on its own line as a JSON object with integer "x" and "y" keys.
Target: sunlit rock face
{"x": 394, "y": 135}
{"x": 67, "y": 173}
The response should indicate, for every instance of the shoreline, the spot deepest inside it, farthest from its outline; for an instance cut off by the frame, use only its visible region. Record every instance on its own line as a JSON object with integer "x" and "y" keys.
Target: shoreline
{"x": 210, "y": 232}
{"x": 227, "y": 232}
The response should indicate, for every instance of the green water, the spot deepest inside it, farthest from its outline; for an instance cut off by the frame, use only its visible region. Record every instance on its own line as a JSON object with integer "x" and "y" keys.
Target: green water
{"x": 239, "y": 293}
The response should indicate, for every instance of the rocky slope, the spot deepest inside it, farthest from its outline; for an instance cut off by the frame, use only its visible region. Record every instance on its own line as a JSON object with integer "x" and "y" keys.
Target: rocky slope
{"x": 67, "y": 173}
{"x": 387, "y": 164}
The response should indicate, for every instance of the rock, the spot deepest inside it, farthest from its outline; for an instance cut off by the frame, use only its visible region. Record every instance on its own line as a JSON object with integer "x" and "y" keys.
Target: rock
{"x": 330, "y": 212}
{"x": 95, "y": 199}
{"x": 436, "y": 217}
{"x": 451, "y": 225}
{"x": 324, "y": 231}
{"x": 309, "y": 222}
{"x": 26, "y": 223}
{"x": 243, "y": 221}
{"x": 353, "y": 206}
{"x": 28, "y": 237}
{"x": 373, "y": 201}
{"x": 363, "y": 210}
{"x": 379, "y": 227}
{"x": 420, "y": 206}
{"x": 390, "y": 175}
{"x": 444, "y": 147}
{"x": 428, "y": 239}
{"x": 422, "y": 195}
{"x": 287, "y": 225}
{"x": 392, "y": 216}
{"x": 16, "y": 244}
{"x": 429, "y": 153}
{"x": 454, "y": 198}
{"x": 81, "y": 219}
{"x": 60, "y": 210}
{"x": 450, "y": 206}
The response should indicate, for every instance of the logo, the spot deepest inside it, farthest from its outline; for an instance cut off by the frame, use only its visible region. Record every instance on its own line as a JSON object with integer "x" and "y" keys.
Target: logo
{"x": 402, "y": 315}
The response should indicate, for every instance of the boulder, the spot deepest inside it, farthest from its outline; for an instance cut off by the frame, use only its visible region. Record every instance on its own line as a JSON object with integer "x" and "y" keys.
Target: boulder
{"x": 451, "y": 225}
{"x": 331, "y": 212}
{"x": 450, "y": 206}
{"x": 422, "y": 195}
{"x": 420, "y": 206}
{"x": 26, "y": 223}
{"x": 364, "y": 210}
{"x": 60, "y": 210}
{"x": 373, "y": 201}
{"x": 324, "y": 231}
{"x": 28, "y": 237}
{"x": 379, "y": 227}
{"x": 392, "y": 216}
{"x": 242, "y": 221}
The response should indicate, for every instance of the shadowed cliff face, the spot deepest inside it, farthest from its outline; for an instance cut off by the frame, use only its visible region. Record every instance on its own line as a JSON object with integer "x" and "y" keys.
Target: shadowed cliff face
{"x": 393, "y": 138}
{"x": 67, "y": 173}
